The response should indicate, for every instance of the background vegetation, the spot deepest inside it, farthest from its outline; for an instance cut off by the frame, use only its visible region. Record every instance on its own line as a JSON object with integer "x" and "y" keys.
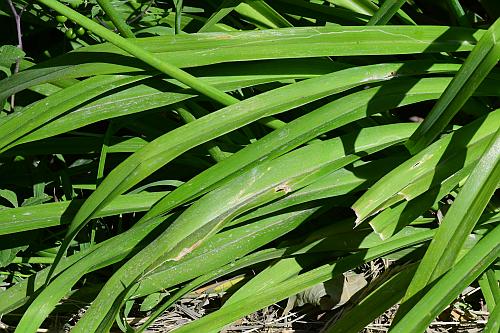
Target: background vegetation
{"x": 149, "y": 148}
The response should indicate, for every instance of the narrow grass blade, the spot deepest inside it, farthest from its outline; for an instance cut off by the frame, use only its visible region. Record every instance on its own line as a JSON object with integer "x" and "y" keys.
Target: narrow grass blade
{"x": 332, "y": 115}
{"x": 115, "y": 17}
{"x": 459, "y": 13}
{"x": 316, "y": 11}
{"x": 359, "y": 6}
{"x": 385, "y": 294}
{"x": 478, "y": 64}
{"x": 337, "y": 183}
{"x": 448, "y": 287}
{"x": 37, "y": 114}
{"x": 393, "y": 218}
{"x": 261, "y": 14}
{"x": 264, "y": 183}
{"x": 391, "y": 189}
{"x": 219, "y": 319}
{"x": 386, "y": 12}
{"x": 270, "y": 13}
{"x": 221, "y": 249}
{"x": 490, "y": 289}
{"x": 160, "y": 151}
{"x": 147, "y": 95}
{"x": 493, "y": 324}
{"x": 223, "y": 10}
{"x": 142, "y": 54}
{"x": 459, "y": 221}
{"x": 193, "y": 50}
{"x": 53, "y": 214}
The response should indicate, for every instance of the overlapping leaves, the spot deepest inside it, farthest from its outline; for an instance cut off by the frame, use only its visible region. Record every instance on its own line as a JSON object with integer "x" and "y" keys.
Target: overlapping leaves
{"x": 292, "y": 174}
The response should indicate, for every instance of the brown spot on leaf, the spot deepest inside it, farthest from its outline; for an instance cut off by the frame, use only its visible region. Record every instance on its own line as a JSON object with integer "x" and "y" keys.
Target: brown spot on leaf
{"x": 283, "y": 188}
{"x": 223, "y": 37}
{"x": 185, "y": 251}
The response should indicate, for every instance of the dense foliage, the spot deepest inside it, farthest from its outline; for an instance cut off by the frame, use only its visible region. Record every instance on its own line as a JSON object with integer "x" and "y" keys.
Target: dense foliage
{"x": 148, "y": 148}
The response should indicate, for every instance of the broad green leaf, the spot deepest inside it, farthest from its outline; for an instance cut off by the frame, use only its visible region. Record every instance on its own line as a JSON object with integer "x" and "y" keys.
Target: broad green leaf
{"x": 220, "y": 250}
{"x": 275, "y": 182}
{"x": 330, "y": 116}
{"x": 9, "y": 54}
{"x": 149, "y": 94}
{"x": 326, "y": 239}
{"x": 10, "y": 196}
{"x": 145, "y": 96}
{"x": 234, "y": 242}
